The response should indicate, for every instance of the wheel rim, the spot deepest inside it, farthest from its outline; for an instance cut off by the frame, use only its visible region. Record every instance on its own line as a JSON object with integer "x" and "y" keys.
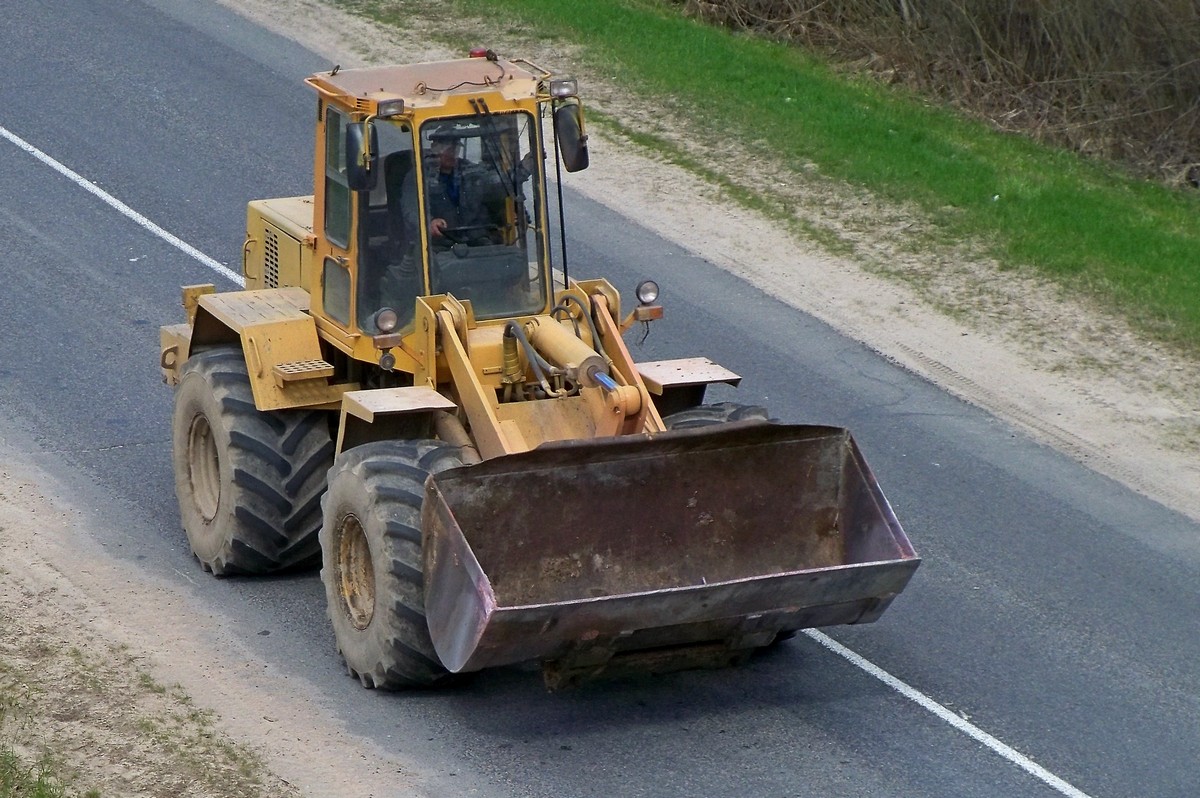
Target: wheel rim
{"x": 204, "y": 468}
{"x": 356, "y": 575}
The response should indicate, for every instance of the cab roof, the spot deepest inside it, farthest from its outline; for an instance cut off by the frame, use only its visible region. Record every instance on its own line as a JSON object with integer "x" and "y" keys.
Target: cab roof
{"x": 429, "y": 83}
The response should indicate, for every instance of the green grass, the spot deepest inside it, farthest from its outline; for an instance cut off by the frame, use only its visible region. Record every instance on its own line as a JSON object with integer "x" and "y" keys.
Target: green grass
{"x": 1129, "y": 243}
{"x": 19, "y": 779}
{"x": 38, "y": 779}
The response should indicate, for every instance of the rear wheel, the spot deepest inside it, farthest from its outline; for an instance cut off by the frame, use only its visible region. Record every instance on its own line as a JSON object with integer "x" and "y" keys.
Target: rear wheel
{"x": 249, "y": 482}
{"x": 373, "y": 561}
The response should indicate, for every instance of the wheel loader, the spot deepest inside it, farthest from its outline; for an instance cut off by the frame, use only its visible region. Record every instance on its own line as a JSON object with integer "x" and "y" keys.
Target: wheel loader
{"x": 409, "y": 393}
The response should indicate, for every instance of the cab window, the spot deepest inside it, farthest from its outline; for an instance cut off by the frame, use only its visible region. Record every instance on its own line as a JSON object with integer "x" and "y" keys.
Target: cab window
{"x": 337, "y": 189}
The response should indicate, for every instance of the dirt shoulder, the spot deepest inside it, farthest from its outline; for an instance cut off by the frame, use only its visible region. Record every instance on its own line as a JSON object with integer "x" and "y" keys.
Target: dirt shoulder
{"x": 124, "y": 676}
{"x": 75, "y": 686}
{"x": 135, "y": 688}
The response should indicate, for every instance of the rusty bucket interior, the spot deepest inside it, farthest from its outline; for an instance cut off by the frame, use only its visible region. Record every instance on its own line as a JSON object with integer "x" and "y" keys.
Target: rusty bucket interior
{"x": 702, "y": 533}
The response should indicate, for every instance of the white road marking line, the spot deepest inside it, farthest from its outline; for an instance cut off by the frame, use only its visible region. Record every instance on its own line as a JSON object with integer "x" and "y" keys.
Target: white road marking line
{"x": 974, "y": 732}
{"x": 122, "y": 208}
{"x": 911, "y": 693}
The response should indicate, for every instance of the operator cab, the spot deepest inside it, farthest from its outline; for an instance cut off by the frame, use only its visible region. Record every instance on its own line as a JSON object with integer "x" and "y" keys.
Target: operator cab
{"x": 432, "y": 183}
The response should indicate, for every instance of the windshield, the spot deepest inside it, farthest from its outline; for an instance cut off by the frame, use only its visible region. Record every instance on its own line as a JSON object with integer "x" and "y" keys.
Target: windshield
{"x": 482, "y": 212}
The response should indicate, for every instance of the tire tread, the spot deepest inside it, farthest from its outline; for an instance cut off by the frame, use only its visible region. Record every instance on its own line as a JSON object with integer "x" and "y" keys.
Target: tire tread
{"x": 279, "y": 461}
{"x": 390, "y": 476}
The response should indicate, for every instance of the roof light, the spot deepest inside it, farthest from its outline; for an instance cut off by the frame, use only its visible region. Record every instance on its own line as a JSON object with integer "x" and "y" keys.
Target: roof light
{"x": 479, "y": 52}
{"x": 386, "y": 108}
{"x": 561, "y": 88}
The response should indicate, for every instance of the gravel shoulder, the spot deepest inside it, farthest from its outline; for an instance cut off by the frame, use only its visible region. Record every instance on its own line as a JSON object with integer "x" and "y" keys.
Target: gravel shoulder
{"x": 135, "y": 687}
{"x": 124, "y": 677}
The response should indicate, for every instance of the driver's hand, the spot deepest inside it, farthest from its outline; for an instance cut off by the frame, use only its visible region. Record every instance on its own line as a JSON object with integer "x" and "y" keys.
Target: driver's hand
{"x": 436, "y": 226}
{"x": 528, "y": 167}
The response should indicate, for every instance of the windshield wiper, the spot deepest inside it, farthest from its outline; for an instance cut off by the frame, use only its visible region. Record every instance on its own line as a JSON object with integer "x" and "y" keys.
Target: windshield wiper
{"x": 490, "y": 141}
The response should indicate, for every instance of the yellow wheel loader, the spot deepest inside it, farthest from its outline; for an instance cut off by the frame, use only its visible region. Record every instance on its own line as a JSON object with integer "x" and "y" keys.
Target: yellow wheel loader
{"x": 406, "y": 394}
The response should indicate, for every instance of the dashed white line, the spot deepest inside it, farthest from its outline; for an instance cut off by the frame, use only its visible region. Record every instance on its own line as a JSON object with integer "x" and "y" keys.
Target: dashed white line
{"x": 1007, "y": 752}
{"x": 974, "y": 732}
{"x": 122, "y": 208}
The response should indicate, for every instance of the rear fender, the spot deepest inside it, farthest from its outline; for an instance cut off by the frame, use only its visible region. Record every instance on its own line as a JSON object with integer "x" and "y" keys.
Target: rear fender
{"x": 280, "y": 342}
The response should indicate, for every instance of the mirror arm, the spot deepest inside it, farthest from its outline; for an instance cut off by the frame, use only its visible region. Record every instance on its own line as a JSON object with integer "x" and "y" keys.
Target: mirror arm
{"x": 562, "y": 227}
{"x": 367, "y": 123}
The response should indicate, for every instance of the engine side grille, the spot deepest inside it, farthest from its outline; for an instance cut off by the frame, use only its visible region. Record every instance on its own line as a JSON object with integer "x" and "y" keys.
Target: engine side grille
{"x": 271, "y": 259}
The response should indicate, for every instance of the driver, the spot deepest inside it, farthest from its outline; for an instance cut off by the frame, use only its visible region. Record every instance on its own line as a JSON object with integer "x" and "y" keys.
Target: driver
{"x": 453, "y": 202}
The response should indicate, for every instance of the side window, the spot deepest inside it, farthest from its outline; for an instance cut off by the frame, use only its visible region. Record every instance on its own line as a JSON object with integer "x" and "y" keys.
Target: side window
{"x": 337, "y": 190}
{"x": 335, "y": 288}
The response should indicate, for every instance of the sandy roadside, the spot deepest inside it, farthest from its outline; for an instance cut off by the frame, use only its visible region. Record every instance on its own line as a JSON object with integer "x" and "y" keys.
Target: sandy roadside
{"x": 141, "y": 688}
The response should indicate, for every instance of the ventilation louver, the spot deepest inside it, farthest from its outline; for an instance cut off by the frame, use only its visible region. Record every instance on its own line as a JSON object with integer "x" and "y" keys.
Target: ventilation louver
{"x": 271, "y": 260}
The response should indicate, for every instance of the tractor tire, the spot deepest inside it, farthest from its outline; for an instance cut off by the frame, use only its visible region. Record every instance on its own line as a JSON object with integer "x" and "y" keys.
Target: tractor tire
{"x": 249, "y": 482}
{"x": 718, "y": 413}
{"x": 374, "y": 563}
{"x": 723, "y": 413}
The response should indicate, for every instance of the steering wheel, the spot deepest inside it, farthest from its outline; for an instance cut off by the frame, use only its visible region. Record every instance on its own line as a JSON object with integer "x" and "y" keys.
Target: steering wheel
{"x": 456, "y": 235}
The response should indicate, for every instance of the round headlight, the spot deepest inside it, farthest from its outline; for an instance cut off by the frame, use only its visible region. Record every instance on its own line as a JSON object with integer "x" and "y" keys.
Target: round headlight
{"x": 647, "y": 292}
{"x": 386, "y": 320}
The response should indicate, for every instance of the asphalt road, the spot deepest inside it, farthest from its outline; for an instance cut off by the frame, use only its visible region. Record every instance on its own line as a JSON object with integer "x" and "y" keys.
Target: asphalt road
{"x": 1054, "y": 608}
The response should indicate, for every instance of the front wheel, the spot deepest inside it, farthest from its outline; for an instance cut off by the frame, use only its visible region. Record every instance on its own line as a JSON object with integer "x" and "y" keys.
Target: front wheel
{"x": 724, "y": 413}
{"x": 371, "y": 541}
{"x": 717, "y": 413}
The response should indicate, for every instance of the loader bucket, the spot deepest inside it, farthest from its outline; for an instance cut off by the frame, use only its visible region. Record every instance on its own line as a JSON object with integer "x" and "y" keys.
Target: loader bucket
{"x": 681, "y": 548}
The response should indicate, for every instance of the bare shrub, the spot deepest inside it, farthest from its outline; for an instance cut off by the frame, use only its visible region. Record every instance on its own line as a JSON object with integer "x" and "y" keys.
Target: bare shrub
{"x": 1111, "y": 78}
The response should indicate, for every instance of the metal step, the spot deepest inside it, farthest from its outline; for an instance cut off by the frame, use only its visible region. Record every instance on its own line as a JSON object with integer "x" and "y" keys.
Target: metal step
{"x": 302, "y": 370}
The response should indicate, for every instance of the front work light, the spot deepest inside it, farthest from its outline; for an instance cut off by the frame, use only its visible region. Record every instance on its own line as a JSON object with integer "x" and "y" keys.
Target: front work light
{"x": 647, "y": 292}
{"x": 386, "y": 320}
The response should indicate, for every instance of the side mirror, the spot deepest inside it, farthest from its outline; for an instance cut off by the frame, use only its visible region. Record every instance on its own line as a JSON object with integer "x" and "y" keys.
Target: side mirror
{"x": 362, "y": 156}
{"x": 568, "y": 130}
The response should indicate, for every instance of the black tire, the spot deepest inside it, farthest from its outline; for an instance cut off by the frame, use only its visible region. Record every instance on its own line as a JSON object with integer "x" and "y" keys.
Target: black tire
{"x": 717, "y": 413}
{"x": 249, "y": 482}
{"x": 374, "y": 565}
{"x": 724, "y": 413}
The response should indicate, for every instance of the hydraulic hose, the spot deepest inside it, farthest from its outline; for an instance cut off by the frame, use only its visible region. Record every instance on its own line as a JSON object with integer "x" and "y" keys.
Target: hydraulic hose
{"x": 536, "y": 361}
{"x": 569, "y": 299}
